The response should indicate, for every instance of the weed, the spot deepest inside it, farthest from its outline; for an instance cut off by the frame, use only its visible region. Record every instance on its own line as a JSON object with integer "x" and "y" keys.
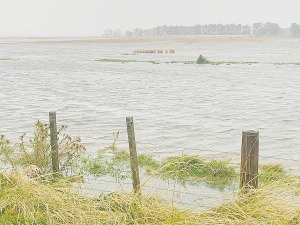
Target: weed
{"x": 37, "y": 151}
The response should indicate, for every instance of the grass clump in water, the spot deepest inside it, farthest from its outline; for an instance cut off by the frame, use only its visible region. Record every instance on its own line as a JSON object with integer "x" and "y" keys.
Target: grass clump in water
{"x": 193, "y": 169}
{"x": 118, "y": 165}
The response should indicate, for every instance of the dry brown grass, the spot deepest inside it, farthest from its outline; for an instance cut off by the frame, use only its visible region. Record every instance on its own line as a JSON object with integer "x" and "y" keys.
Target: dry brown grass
{"x": 216, "y": 39}
{"x": 27, "y": 198}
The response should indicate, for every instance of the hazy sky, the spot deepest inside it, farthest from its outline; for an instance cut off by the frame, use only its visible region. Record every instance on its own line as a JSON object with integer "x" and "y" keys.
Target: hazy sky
{"x": 91, "y": 17}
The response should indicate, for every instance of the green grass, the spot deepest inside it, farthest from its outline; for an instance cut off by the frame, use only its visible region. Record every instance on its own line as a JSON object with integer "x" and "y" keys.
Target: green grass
{"x": 296, "y": 64}
{"x": 192, "y": 62}
{"x": 193, "y": 169}
{"x": 6, "y": 59}
{"x": 125, "y": 61}
{"x": 190, "y": 169}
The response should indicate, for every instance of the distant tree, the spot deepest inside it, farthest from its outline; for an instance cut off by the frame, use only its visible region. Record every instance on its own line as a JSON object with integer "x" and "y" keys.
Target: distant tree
{"x": 138, "y": 32}
{"x": 202, "y": 60}
{"x": 117, "y": 33}
{"x": 295, "y": 29}
{"x": 129, "y": 33}
{"x": 108, "y": 33}
{"x": 274, "y": 29}
{"x": 256, "y": 29}
{"x": 246, "y": 30}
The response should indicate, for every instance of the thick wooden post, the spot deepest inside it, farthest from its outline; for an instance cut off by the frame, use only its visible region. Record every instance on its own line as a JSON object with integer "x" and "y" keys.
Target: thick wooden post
{"x": 249, "y": 160}
{"x": 53, "y": 141}
{"x": 133, "y": 155}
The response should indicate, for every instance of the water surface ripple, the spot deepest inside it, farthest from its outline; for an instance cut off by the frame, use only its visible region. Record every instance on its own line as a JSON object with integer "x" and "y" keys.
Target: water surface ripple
{"x": 201, "y": 109}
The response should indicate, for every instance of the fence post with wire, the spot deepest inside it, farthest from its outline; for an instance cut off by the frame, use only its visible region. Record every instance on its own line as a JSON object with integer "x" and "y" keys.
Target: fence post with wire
{"x": 53, "y": 141}
{"x": 249, "y": 159}
{"x": 133, "y": 155}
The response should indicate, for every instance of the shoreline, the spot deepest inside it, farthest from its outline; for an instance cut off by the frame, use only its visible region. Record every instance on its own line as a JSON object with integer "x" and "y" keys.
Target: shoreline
{"x": 95, "y": 40}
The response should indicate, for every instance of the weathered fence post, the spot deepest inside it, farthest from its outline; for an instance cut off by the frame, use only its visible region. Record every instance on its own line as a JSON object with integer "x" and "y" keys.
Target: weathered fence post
{"x": 53, "y": 142}
{"x": 133, "y": 155}
{"x": 249, "y": 160}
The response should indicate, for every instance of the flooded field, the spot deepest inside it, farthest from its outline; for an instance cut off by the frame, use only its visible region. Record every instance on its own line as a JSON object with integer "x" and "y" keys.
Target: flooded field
{"x": 201, "y": 109}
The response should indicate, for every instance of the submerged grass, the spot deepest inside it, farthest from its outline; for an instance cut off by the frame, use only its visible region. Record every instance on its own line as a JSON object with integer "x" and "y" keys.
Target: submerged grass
{"x": 296, "y": 64}
{"x": 194, "y": 169}
{"x": 125, "y": 61}
{"x": 173, "y": 62}
{"x": 190, "y": 169}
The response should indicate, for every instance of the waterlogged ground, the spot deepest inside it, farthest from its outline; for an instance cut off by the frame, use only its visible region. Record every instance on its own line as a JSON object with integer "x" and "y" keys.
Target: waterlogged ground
{"x": 177, "y": 108}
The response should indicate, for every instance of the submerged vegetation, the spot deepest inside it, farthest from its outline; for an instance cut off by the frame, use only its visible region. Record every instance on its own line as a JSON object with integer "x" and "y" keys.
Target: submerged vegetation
{"x": 125, "y": 61}
{"x": 6, "y": 59}
{"x": 191, "y": 169}
{"x": 201, "y": 60}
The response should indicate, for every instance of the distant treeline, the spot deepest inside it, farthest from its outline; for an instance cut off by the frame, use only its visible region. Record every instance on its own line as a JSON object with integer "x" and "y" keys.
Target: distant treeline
{"x": 257, "y": 29}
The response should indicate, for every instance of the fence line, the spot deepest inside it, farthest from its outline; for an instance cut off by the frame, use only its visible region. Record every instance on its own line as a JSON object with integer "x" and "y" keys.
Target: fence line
{"x": 249, "y": 177}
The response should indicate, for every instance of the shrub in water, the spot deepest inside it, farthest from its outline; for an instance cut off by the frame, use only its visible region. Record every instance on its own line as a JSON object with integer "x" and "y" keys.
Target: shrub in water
{"x": 202, "y": 60}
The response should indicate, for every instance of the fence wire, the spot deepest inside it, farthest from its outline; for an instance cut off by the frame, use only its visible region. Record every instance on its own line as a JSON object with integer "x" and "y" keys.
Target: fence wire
{"x": 180, "y": 186}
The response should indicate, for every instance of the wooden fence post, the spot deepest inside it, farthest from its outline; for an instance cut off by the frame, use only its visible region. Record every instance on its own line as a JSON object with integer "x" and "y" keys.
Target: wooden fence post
{"x": 249, "y": 160}
{"x": 53, "y": 141}
{"x": 133, "y": 155}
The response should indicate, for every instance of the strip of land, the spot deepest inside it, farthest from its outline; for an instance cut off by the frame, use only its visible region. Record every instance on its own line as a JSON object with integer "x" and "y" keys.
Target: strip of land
{"x": 216, "y": 39}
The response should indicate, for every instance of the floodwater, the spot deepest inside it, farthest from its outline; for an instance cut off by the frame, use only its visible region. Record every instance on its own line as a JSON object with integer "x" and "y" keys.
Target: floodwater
{"x": 177, "y": 108}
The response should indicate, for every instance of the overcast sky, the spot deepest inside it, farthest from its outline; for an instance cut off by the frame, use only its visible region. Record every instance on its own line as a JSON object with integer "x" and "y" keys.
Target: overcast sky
{"x": 91, "y": 17}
